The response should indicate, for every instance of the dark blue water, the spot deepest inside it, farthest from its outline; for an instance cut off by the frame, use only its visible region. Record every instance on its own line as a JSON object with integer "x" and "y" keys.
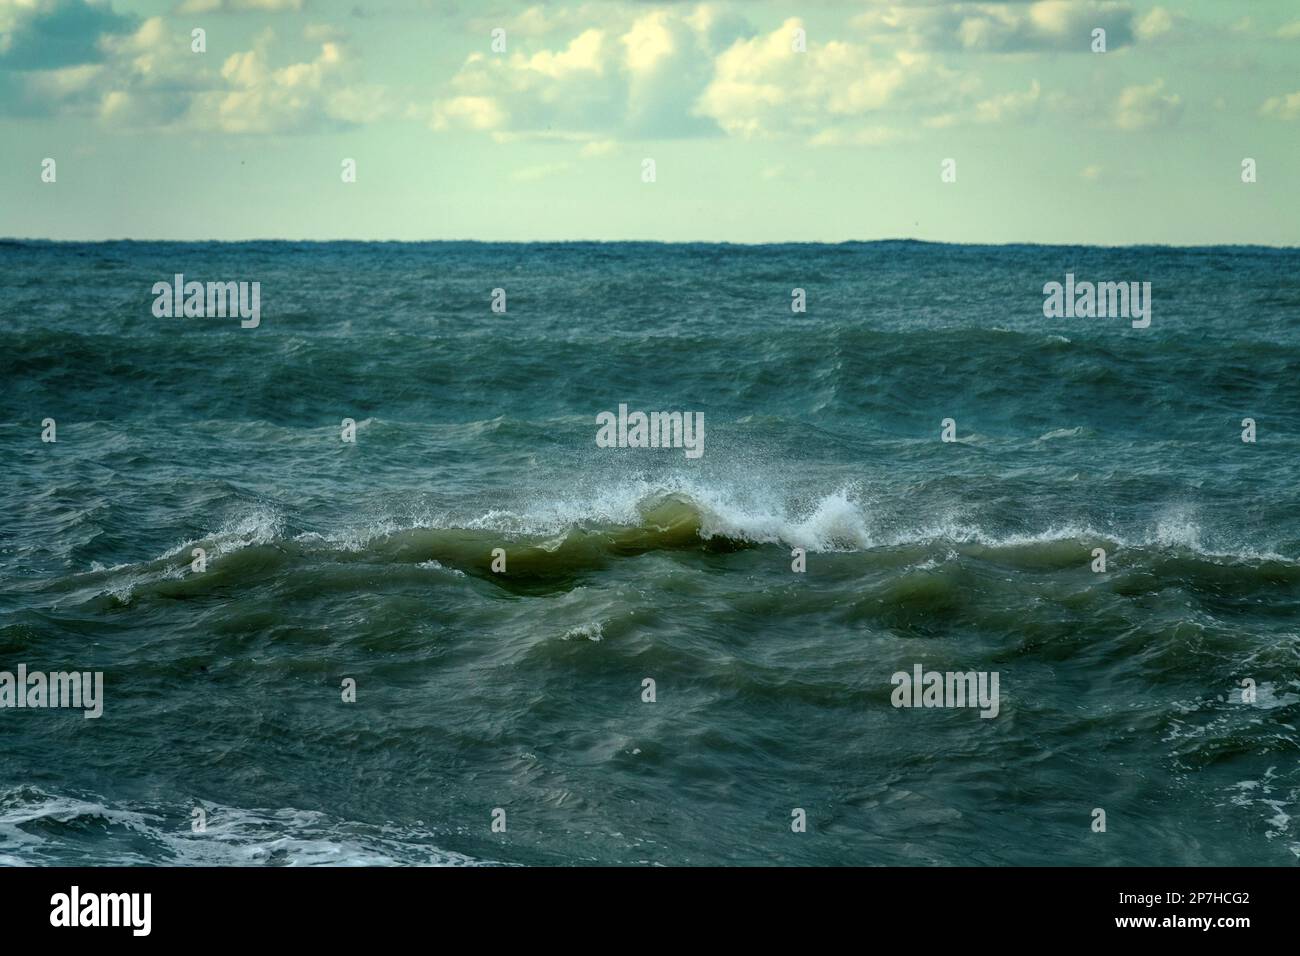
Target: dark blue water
{"x": 522, "y": 690}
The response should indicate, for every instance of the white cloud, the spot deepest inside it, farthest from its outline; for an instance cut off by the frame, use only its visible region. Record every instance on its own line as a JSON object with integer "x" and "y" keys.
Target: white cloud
{"x": 1286, "y": 107}
{"x": 1146, "y": 107}
{"x": 1064, "y": 25}
{"x": 1156, "y": 23}
{"x": 683, "y": 72}
{"x": 584, "y": 54}
{"x": 145, "y": 82}
{"x": 635, "y": 78}
{"x": 68, "y": 81}
{"x": 238, "y": 6}
{"x": 761, "y": 87}
{"x": 1013, "y": 107}
{"x": 1009, "y": 106}
{"x": 840, "y": 93}
{"x": 860, "y": 136}
{"x": 598, "y": 147}
{"x": 471, "y": 112}
{"x": 260, "y": 98}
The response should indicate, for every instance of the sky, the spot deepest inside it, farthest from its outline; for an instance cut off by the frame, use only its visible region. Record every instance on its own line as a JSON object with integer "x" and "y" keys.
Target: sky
{"x": 766, "y": 122}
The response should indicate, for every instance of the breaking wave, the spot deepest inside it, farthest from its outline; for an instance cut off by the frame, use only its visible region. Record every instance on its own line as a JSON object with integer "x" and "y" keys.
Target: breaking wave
{"x": 564, "y": 538}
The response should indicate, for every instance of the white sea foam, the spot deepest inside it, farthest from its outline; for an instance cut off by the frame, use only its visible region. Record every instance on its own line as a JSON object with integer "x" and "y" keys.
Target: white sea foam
{"x": 845, "y": 519}
{"x": 591, "y": 632}
{"x": 232, "y": 836}
{"x": 840, "y": 520}
{"x": 432, "y": 565}
{"x": 1055, "y": 433}
{"x": 260, "y": 525}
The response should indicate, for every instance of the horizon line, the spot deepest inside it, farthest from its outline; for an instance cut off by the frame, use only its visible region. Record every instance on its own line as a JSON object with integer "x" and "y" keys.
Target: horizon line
{"x": 15, "y": 240}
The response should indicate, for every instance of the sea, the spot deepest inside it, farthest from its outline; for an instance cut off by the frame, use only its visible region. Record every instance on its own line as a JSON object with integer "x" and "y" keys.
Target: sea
{"x": 364, "y": 588}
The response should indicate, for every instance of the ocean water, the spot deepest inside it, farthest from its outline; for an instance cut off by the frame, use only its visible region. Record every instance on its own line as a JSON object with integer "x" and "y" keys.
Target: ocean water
{"x": 523, "y": 690}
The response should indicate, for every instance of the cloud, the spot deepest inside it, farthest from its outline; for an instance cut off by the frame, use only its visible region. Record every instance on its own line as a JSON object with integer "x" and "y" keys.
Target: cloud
{"x": 143, "y": 60}
{"x": 1009, "y": 106}
{"x": 1147, "y": 107}
{"x": 538, "y": 21}
{"x": 590, "y": 74}
{"x": 634, "y": 79}
{"x": 53, "y": 34}
{"x": 598, "y": 147}
{"x": 257, "y": 97}
{"x": 762, "y": 87}
{"x": 238, "y": 6}
{"x": 672, "y": 73}
{"x": 1013, "y": 107}
{"x": 840, "y": 93}
{"x": 1285, "y": 107}
{"x": 856, "y": 136}
{"x": 469, "y": 112}
{"x": 1048, "y": 25}
{"x": 148, "y": 78}
{"x": 1156, "y": 23}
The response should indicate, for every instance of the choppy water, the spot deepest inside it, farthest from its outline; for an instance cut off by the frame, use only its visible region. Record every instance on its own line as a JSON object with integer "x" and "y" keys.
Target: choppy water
{"x": 476, "y": 430}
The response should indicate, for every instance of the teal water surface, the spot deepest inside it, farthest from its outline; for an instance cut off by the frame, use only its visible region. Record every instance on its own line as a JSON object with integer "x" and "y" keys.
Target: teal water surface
{"x": 523, "y": 690}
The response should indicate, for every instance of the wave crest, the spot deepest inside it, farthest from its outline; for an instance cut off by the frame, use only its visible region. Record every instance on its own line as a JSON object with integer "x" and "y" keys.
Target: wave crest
{"x": 565, "y": 538}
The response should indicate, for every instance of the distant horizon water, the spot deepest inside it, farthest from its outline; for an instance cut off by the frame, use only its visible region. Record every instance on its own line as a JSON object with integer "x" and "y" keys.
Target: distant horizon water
{"x": 658, "y": 242}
